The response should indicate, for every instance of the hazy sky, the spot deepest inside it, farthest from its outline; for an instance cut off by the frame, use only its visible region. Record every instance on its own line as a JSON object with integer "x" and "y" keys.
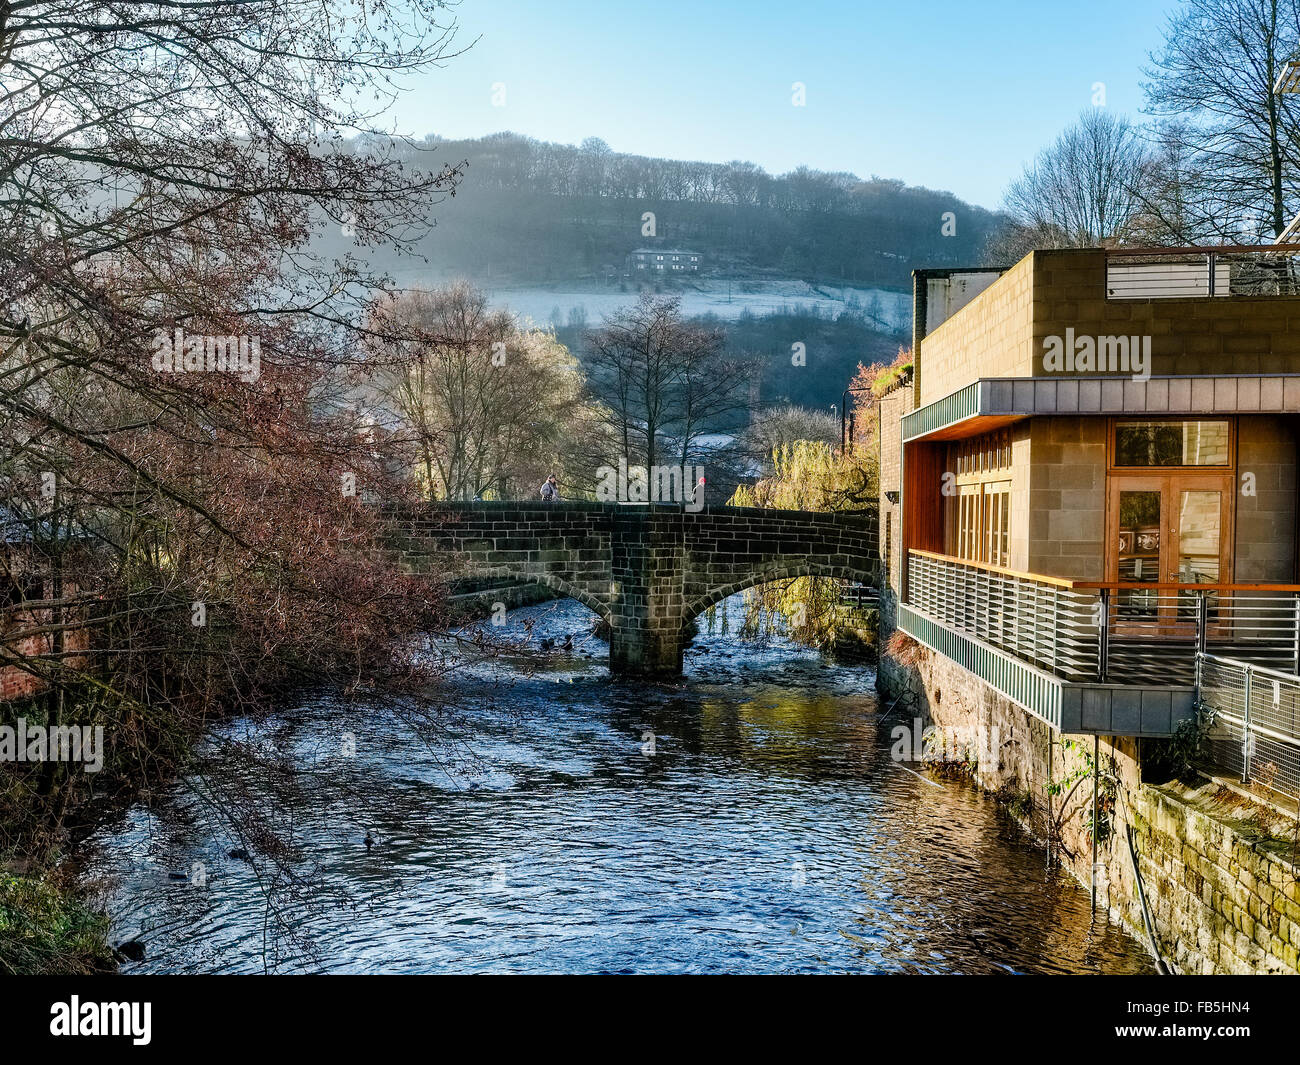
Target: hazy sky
{"x": 951, "y": 95}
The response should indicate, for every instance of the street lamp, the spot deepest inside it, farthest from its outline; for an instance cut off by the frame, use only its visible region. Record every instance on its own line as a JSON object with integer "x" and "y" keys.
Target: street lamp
{"x": 846, "y": 426}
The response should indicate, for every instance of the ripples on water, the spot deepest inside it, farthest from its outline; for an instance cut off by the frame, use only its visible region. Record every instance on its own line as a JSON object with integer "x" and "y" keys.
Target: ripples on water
{"x": 767, "y": 831}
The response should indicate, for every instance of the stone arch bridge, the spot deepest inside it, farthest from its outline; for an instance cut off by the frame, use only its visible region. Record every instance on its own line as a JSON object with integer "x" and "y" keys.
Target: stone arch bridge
{"x": 647, "y": 570}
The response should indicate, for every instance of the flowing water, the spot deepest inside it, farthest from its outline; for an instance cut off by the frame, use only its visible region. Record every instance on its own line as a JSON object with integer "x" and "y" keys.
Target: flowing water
{"x": 748, "y": 820}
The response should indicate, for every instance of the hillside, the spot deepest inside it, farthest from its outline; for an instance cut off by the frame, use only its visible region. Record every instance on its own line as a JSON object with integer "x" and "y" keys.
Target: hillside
{"x": 815, "y": 258}
{"x": 530, "y": 212}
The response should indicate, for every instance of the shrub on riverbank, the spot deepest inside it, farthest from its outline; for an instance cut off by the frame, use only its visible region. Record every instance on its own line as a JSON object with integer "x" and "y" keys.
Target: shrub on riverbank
{"x": 45, "y": 930}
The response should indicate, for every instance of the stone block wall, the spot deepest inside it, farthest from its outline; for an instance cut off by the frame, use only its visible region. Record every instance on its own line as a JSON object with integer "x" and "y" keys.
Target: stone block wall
{"x": 1222, "y": 880}
{"x": 1266, "y": 517}
{"x": 1225, "y": 893}
{"x": 892, "y": 408}
{"x": 991, "y": 336}
{"x": 648, "y": 570}
{"x": 566, "y": 547}
{"x": 1021, "y": 496}
{"x": 647, "y": 599}
{"x": 1206, "y": 335}
{"x": 1066, "y": 505}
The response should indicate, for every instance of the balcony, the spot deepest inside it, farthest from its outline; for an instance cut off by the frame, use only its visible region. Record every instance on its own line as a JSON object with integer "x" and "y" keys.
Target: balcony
{"x": 1113, "y": 659}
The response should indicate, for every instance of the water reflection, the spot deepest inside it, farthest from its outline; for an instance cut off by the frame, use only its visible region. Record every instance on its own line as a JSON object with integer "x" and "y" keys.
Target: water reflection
{"x": 749, "y": 820}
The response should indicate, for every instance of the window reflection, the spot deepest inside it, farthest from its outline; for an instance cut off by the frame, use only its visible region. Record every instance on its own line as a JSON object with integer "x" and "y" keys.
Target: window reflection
{"x": 1198, "y": 443}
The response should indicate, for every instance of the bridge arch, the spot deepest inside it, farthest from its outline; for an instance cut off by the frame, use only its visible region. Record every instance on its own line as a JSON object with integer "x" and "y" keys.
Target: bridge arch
{"x": 767, "y": 574}
{"x": 556, "y": 583}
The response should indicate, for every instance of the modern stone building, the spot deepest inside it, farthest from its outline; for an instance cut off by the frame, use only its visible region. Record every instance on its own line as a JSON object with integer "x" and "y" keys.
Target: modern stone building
{"x": 1088, "y": 522}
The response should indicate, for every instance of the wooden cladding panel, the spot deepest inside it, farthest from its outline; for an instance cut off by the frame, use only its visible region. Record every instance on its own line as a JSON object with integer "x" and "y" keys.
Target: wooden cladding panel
{"x": 923, "y": 470}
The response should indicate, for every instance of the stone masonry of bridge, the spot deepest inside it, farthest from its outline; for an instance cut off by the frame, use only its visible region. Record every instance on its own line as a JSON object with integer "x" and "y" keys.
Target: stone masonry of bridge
{"x": 647, "y": 570}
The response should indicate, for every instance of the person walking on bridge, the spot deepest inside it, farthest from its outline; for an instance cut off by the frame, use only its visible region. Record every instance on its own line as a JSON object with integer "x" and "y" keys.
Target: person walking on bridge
{"x": 550, "y": 490}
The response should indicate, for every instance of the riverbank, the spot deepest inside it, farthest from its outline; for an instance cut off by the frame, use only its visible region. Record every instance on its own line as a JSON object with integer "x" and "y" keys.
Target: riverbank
{"x": 46, "y": 926}
{"x": 46, "y": 929}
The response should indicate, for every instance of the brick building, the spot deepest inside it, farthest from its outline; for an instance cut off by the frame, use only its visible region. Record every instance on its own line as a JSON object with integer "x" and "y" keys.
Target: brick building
{"x": 27, "y": 575}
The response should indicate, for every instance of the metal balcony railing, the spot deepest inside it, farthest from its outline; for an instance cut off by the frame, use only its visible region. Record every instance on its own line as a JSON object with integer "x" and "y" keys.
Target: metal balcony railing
{"x": 1180, "y": 273}
{"x": 1252, "y": 716}
{"x": 1038, "y": 619}
{"x": 1095, "y": 632}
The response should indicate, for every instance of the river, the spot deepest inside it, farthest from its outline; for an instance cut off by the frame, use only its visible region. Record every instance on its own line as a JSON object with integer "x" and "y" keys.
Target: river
{"x": 748, "y": 820}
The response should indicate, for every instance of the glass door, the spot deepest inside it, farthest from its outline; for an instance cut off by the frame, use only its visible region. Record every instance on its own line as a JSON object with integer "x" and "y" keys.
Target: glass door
{"x": 1166, "y": 529}
{"x": 1200, "y": 517}
{"x": 1138, "y": 520}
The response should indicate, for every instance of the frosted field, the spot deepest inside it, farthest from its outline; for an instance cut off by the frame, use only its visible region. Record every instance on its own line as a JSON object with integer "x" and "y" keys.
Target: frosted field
{"x": 552, "y": 306}
{"x": 891, "y": 309}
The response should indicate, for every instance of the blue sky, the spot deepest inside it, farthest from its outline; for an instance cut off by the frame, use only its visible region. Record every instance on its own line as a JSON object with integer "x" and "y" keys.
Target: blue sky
{"x": 951, "y": 95}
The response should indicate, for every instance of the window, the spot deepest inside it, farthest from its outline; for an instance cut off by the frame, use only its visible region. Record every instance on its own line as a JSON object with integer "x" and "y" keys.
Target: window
{"x": 996, "y": 526}
{"x": 884, "y": 546}
{"x": 981, "y": 454}
{"x": 968, "y": 521}
{"x": 977, "y": 519}
{"x": 1172, "y": 443}
{"x": 19, "y": 588}
{"x": 980, "y": 522}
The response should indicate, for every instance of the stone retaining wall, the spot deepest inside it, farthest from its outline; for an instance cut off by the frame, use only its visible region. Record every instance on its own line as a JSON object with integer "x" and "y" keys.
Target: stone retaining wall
{"x": 1220, "y": 873}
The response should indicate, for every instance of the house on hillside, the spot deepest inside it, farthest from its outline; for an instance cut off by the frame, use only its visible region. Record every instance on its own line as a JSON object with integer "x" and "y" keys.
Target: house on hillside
{"x": 664, "y": 261}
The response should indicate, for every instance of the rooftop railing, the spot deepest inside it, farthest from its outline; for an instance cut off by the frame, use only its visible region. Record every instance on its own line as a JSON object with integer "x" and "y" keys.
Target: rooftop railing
{"x": 1115, "y": 633}
{"x": 1180, "y": 273}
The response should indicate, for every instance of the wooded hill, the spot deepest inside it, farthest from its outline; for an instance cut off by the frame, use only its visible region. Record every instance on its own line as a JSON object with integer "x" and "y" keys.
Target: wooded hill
{"x": 532, "y": 212}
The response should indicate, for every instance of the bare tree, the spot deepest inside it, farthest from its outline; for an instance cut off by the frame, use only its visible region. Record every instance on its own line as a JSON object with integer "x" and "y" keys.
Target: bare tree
{"x": 1079, "y": 192}
{"x": 164, "y": 168}
{"x": 488, "y": 407}
{"x": 1215, "y": 76}
{"x": 665, "y": 382}
{"x": 1174, "y": 207}
{"x": 782, "y": 426}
